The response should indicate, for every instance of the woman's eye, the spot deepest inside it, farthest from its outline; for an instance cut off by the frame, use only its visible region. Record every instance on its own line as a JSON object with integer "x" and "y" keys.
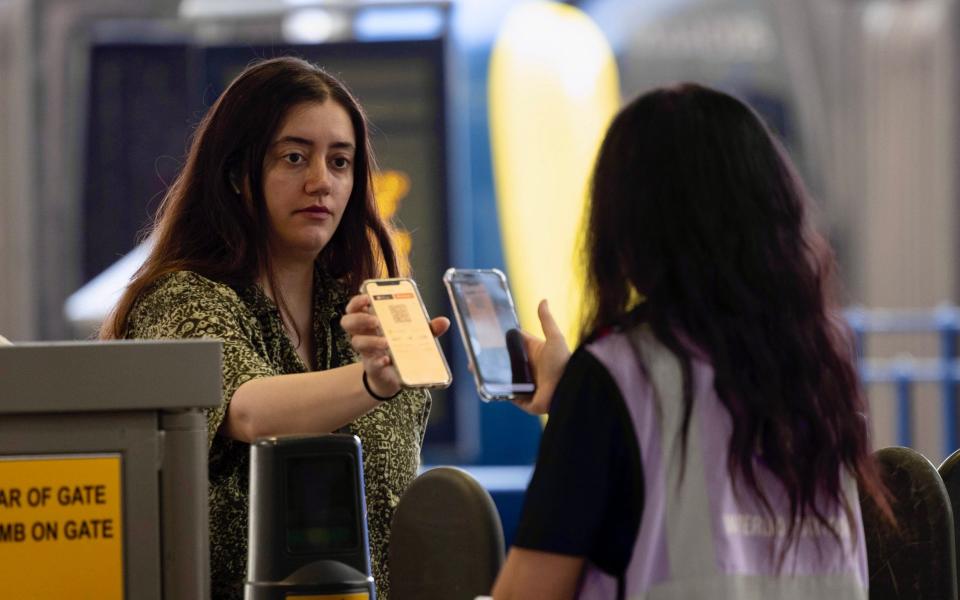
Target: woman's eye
{"x": 294, "y": 158}
{"x": 341, "y": 162}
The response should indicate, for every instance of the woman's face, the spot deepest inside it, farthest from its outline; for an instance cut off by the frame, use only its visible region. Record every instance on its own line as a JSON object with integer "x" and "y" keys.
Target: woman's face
{"x": 307, "y": 179}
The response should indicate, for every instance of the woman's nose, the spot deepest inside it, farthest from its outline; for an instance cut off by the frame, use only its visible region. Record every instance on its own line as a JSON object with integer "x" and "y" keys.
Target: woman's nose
{"x": 318, "y": 178}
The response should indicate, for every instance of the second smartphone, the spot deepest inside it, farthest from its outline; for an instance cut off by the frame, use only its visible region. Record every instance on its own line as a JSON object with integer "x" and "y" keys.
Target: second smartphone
{"x": 491, "y": 332}
{"x": 414, "y": 350}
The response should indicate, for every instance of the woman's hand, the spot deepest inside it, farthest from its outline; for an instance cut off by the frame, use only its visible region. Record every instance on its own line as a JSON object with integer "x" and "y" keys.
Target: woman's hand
{"x": 547, "y": 358}
{"x": 363, "y": 329}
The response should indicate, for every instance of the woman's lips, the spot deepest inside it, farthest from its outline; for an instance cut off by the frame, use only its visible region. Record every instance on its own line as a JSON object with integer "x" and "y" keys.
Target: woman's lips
{"x": 317, "y": 212}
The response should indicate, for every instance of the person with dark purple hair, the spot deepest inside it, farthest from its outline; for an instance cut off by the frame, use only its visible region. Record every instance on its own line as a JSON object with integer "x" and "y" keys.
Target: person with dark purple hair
{"x": 708, "y": 437}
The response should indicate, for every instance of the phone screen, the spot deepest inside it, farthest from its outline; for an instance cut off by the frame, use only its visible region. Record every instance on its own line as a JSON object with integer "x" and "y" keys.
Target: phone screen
{"x": 404, "y": 323}
{"x": 490, "y": 328}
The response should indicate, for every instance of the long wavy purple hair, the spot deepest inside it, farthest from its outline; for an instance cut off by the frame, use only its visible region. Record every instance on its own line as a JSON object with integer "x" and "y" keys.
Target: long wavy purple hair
{"x": 696, "y": 209}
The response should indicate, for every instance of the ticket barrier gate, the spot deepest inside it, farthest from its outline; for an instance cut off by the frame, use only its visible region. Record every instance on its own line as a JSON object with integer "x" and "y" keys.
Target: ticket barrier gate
{"x": 308, "y": 520}
{"x": 103, "y": 460}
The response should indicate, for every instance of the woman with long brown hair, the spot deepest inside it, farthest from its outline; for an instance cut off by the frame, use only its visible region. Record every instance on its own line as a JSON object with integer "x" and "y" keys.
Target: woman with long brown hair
{"x": 708, "y": 438}
{"x": 266, "y": 232}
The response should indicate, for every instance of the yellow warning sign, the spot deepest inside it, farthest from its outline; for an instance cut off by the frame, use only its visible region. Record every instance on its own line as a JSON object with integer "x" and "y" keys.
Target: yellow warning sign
{"x": 60, "y": 526}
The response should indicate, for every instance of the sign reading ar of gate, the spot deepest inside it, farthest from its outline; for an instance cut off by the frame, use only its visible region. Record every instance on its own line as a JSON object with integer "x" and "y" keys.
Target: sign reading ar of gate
{"x": 60, "y": 526}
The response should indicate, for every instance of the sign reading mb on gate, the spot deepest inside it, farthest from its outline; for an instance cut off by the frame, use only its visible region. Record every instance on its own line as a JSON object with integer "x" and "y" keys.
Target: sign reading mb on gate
{"x": 60, "y": 526}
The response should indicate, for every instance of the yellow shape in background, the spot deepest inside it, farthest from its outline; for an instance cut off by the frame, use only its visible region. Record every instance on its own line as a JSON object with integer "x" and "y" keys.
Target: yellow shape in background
{"x": 553, "y": 90}
{"x": 389, "y": 188}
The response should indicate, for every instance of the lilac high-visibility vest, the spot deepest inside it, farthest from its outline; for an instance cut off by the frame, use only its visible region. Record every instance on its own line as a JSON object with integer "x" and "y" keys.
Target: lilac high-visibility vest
{"x": 697, "y": 537}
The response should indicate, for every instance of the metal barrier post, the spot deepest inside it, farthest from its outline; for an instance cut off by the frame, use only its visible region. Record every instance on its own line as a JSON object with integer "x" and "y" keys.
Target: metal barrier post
{"x": 903, "y": 382}
{"x": 857, "y": 322}
{"x": 947, "y": 321}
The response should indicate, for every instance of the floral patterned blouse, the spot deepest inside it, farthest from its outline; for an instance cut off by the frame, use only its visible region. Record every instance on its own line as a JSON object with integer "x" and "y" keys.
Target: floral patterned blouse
{"x": 186, "y": 305}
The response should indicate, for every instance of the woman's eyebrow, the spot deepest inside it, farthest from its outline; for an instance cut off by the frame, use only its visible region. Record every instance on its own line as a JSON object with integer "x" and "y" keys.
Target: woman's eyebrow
{"x": 307, "y": 142}
{"x": 294, "y": 139}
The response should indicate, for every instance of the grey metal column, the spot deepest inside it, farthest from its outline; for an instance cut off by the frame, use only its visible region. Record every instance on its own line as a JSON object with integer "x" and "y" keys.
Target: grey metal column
{"x": 185, "y": 519}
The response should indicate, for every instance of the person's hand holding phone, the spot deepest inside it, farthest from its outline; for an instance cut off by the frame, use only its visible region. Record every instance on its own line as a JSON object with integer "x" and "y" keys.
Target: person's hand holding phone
{"x": 366, "y": 338}
{"x": 548, "y": 358}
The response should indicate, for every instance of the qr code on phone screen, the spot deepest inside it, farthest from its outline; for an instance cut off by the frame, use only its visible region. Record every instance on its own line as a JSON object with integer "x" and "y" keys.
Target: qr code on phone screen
{"x": 399, "y": 313}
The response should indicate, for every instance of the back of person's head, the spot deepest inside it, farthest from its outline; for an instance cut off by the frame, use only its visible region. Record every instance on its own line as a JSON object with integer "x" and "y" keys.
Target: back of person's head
{"x": 698, "y": 227}
{"x": 214, "y": 221}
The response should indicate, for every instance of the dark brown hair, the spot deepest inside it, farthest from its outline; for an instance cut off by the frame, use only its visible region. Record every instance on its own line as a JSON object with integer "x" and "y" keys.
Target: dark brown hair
{"x": 697, "y": 213}
{"x": 204, "y": 226}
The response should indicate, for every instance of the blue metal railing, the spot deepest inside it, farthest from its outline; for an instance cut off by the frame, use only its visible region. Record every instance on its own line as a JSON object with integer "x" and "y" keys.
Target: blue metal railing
{"x": 903, "y": 372}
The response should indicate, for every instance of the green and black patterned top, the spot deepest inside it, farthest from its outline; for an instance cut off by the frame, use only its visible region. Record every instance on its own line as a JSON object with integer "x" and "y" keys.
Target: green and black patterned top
{"x": 186, "y": 305}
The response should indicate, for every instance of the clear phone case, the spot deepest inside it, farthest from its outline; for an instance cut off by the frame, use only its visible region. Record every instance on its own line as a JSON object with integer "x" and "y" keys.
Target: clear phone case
{"x": 488, "y": 390}
{"x": 444, "y": 378}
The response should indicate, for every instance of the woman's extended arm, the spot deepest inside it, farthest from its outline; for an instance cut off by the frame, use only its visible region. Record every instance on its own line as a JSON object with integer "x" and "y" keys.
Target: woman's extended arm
{"x": 536, "y": 574}
{"x": 319, "y": 401}
{"x": 315, "y": 402}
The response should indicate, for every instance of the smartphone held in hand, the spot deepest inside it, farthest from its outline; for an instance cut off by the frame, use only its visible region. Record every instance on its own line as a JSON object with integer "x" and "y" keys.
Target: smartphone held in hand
{"x": 491, "y": 332}
{"x": 414, "y": 350}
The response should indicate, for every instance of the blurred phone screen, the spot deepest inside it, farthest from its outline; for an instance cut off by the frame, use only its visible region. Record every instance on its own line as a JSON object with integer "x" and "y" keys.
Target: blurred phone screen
{"x": 491, "y": 329}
